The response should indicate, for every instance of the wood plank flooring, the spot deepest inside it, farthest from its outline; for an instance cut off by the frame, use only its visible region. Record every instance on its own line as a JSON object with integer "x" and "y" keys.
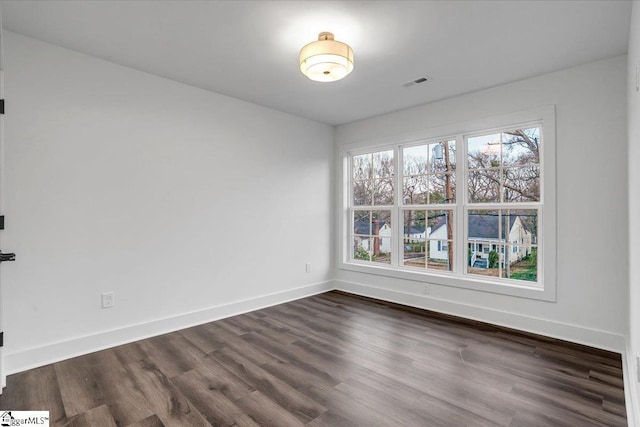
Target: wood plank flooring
{"x": 331, "y": 360}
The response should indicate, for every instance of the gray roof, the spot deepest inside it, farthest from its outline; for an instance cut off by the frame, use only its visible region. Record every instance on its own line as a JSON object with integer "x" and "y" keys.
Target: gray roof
{"x": 364, "y": 227}
{"x": 415, "y": 230}
{"x": 485, "y": 226}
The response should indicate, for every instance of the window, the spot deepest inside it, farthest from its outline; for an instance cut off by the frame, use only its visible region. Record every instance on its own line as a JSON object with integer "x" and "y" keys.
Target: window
{"x": 372, "y": 189}
{"x": 466, "y": 210}
{"x": 503, "y": 202}
{"x": 428, "y": 195}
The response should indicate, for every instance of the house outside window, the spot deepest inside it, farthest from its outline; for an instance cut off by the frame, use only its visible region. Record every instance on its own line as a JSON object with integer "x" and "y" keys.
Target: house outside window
{"x": 467, "y": 210}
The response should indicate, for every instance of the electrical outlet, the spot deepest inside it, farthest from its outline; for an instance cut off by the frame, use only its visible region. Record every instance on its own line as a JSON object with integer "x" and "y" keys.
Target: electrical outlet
{"x": 425, "y": 290}
{"x": 308, "y": 267}
{"x": 107, "y": 300}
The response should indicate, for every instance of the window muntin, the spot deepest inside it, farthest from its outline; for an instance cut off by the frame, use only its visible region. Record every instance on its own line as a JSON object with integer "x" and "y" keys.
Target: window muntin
{"x": 501, "y": 176}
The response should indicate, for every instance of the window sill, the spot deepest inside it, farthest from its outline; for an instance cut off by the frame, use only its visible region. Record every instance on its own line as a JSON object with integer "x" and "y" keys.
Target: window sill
{"x": 535, "y": 292}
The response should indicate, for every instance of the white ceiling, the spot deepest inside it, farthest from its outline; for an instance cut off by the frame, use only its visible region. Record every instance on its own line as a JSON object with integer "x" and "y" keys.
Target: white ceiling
{"x": 249, "y": 49}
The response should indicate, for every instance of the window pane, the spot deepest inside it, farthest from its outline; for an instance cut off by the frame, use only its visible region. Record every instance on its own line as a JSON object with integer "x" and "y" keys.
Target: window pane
{"x": 522, "y": 184}
{"x": 414, "y": 233}
{"x": 381, "y": 250}
{"x": 383, "y": 164}
{"x": 373, "y": 179}
{"x": 382, "y": 192}
{"x": 521, "y": 147}
{"x": 483, "y": 259}
{"x": 440, "y": 234}
{"x": 414, "y": 253}
{"x": 484, "y": 186}
{"x": 361, "y": 223}
{"x": 414, "y": 160}
{"x": 440, "y": 255}
{"x": 483, "y": 151}
{"x": 414, "y": 225}
{"x": 521, "y": 263}
{"x": 438, "y": 155}
{"x": 381, "y": 236}
{"x": 520, "y": 226}
{"x": 483, "y": 225}
{"x": 362, "y": 194}
{"x": 372, "y": 236}
{"x": 362, "y": 166}
{"x": 442, "y": 188}
{"x": 414, "y": 191}
{"x": 440, "y": 225}
{"x": 361, "y": 246}
{"x": 382, "y": 218}
{"x": 381, "y": 232}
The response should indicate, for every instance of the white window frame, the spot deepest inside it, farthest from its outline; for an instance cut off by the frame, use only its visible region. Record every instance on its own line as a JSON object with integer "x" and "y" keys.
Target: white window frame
{"x": 544, "y": 289}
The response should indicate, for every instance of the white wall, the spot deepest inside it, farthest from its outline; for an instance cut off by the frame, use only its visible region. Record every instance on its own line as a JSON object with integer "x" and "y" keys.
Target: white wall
{"x": 177, "y": 199}
{"x": 634, "y": 209}
{"x": 591, "y": 304}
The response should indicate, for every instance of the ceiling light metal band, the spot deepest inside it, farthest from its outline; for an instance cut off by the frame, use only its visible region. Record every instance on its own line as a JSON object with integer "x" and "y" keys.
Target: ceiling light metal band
{"x": 326, "y": 60}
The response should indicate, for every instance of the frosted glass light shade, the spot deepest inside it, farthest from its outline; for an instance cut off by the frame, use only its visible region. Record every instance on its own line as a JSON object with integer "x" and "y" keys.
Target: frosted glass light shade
{"x": 326, "y": 60}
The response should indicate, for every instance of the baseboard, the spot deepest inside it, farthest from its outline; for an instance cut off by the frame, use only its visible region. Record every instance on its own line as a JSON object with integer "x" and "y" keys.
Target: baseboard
{"x": 630, "y": 387}
{"x": 577, "y": 334}
{"x": 50, "y": 353}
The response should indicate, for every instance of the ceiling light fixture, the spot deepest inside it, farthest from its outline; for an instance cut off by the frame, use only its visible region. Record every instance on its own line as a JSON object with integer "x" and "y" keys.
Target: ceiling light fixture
{"x": 326, "y": 60}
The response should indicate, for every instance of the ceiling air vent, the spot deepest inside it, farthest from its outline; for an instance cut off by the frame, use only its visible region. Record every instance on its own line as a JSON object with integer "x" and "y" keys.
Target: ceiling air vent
{"x": 417, "y": 81}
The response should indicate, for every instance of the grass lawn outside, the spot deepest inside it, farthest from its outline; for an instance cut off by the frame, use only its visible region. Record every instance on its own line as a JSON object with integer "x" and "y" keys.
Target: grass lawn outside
{"x": 527, "y": 269}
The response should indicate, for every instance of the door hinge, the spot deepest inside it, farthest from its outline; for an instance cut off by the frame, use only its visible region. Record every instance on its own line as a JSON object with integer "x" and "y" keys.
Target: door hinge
{"x": 1, "y": 339}
{"x": 1, "y": 106}
{"x": 7, "y": 257}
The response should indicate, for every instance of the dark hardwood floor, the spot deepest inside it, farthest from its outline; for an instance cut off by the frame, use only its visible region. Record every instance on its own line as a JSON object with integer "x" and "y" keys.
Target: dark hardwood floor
{"x": 331, "y": 360}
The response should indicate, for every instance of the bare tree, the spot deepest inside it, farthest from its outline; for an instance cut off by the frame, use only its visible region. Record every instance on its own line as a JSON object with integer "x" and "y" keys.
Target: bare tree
{"x": 520, "y": 178}
{"x": 373, "y": 179}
